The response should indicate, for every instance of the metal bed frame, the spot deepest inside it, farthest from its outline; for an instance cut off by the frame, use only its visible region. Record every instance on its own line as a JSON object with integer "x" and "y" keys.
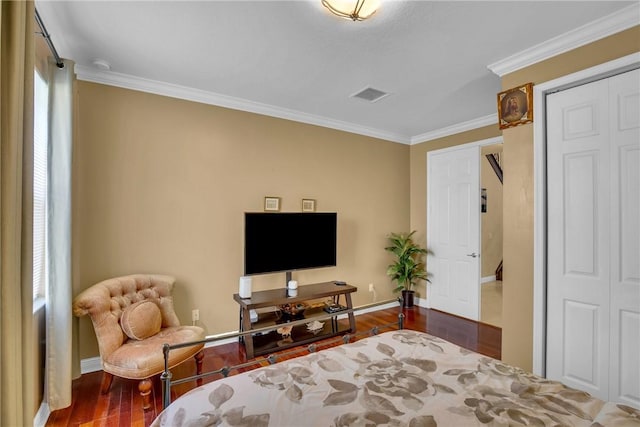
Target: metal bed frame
{"x": 166, "y": 376}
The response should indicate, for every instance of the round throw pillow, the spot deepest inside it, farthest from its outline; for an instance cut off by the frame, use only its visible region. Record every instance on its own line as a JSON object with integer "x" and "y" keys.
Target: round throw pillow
{"x": 141, "y": 320}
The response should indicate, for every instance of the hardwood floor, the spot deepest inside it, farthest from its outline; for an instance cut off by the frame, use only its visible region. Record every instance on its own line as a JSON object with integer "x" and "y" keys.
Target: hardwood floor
{"x": 122, "y": 406}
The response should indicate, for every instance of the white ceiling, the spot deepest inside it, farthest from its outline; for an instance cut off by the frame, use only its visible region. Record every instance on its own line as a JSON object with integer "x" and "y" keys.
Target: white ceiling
{"x": 294, "y": 59}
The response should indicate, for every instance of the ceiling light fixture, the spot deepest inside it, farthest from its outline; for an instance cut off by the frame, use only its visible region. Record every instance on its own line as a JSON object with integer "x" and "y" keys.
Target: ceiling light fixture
{"x": 356, "y": 10}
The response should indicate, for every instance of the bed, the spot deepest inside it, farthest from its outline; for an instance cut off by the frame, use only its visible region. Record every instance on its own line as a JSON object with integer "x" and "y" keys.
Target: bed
{"x": 397, "y": 378}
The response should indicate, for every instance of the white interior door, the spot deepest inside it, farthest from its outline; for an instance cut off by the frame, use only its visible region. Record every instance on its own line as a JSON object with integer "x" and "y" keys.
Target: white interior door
{"x": 624, "y": 373}
{"x": 453, "y": 231}
{"x": 578, "y": 241}
{"x": 593, "y": 285}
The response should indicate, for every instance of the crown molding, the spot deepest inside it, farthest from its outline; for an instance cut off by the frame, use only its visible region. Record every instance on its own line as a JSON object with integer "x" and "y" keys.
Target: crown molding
{"x": 491, "y": 119}
{"x": 155, "y": 87}
{"x": 614, "y": 23}
{"x": 182, "y": 92}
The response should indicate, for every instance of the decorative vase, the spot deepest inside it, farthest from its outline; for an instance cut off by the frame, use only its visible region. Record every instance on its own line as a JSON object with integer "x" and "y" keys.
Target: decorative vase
{"x": 407, "y": 298}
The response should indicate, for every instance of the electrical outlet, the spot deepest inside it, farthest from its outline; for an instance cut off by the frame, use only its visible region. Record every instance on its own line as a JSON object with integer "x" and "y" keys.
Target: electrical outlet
{"x": 370, "y": 287}
{"x": 195, "y": 315}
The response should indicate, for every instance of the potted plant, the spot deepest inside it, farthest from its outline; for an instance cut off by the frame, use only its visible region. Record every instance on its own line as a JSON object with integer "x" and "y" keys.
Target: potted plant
{"x": 408, "y": 267}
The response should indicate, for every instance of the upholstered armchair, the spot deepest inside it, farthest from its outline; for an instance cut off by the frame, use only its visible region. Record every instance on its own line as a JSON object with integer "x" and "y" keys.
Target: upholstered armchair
{"x": 133, "y": 317}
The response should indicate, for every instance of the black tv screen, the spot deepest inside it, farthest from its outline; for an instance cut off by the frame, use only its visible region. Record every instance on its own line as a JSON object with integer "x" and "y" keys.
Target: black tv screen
{"x": 275, "y": 242}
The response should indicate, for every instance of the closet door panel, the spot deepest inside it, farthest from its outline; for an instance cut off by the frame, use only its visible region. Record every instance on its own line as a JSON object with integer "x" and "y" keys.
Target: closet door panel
{"x": 578, "y": 271}
{"x": 624, "y": 98}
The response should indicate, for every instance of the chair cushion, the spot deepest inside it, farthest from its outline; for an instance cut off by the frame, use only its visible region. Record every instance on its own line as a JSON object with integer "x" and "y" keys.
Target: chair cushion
{"x": 143, "y": 359}
{"x": 141, "y": 320}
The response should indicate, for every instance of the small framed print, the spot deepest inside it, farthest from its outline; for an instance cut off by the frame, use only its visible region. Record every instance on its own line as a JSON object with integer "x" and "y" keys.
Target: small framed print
{"x": 272, "y": 204}
{"x": 515, "y": 106}
{"x": 308, "y": 205}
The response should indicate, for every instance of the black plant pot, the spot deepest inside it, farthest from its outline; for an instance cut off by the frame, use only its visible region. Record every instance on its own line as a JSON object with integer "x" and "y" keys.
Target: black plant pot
{"x": 407, "y": 298}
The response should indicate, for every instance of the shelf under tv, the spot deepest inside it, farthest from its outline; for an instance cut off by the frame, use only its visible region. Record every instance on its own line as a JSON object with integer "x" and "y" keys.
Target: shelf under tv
{"x": 270, "y": 342}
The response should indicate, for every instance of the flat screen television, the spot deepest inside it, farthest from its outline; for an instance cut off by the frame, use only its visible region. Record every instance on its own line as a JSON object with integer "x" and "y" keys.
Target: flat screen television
{"x": 288, "y": 241}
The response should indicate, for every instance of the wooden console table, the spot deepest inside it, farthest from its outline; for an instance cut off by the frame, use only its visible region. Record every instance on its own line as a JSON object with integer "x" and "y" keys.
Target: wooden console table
{"x": 270, "y": 342}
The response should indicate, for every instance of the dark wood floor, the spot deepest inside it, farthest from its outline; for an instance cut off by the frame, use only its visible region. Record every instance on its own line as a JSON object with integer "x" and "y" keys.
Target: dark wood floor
{"x": 122, "y": 406}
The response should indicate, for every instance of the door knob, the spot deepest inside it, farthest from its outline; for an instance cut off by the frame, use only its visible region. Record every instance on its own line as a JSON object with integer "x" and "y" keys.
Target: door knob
{"x": 473, "y": 255}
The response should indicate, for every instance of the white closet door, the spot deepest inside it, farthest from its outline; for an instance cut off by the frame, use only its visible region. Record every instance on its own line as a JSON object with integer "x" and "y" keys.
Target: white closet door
{"x": 593, "y": 273}
{"x": 453, "y": 231}
{"x": 578, "y": 237}
{"x": 624, "y": 375}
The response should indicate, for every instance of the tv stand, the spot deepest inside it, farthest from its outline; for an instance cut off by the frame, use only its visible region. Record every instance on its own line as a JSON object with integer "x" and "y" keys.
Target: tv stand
{"x": 271, "y": 342}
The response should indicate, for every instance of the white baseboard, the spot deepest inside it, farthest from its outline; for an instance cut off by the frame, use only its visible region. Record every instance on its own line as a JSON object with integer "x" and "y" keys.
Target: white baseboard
{"x": 40, "y": 420}
{"x": 372, "y": 309}
{"x": 221, "y": 342}
{"x": 92, "y": 364}
{"x": 488, "y": 279}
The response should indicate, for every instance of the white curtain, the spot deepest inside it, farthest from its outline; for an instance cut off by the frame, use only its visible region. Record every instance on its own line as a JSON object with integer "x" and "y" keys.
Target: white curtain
{"x": 58, "y": 370}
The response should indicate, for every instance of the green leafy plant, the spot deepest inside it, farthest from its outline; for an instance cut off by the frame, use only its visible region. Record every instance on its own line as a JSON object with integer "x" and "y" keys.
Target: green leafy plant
{"x": 408, "y": 267}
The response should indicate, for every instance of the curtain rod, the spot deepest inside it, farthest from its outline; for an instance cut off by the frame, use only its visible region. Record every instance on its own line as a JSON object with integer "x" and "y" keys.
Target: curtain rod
{"x": 47, "y": 38}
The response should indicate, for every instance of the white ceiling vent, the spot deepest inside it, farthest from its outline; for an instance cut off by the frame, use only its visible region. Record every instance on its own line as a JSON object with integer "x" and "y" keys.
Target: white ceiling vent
{"x": 370, "y": 94}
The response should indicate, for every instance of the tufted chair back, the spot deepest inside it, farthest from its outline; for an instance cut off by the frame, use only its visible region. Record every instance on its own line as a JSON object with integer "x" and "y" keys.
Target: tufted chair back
{"x": 104, "y": 302}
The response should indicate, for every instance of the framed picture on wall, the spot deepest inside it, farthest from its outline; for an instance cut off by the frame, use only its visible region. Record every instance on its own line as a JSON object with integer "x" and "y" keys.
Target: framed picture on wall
{"x": 515, "y": 106}
{"x": 272, "y": 204}
{"x": 308, "y": 205}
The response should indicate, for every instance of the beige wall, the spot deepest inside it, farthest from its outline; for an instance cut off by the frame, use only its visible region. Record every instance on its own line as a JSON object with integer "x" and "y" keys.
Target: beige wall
{"x": 492, "y": 219}
{"x": 161, "y": 185}
{"x": 517, "y": 310}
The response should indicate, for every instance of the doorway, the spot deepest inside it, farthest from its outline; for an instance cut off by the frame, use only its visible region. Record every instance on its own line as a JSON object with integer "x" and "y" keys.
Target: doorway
{"x": 454, "y": 229}
{"x": 491, "y": 167}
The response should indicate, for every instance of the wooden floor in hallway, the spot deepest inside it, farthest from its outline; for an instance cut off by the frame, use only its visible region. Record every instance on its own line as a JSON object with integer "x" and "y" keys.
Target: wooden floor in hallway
{"x": 491, "y": 303}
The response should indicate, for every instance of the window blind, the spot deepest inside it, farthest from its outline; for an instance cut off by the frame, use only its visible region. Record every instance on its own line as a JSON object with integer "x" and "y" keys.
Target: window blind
{"x": 40, "y": 142}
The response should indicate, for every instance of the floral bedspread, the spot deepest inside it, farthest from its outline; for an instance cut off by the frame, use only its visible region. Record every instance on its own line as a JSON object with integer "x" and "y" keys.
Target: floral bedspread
{"x": 399, "y": 378}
